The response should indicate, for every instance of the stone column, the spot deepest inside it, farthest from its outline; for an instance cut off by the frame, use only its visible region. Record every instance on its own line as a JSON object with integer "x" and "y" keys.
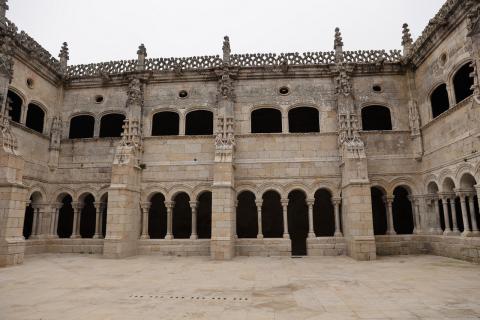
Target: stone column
{"x": 235, "y": 219}
{"x": 336, "y": 207}
{"x": 311, "y": 231}
{"x": 54, "y": 219}
{"x": 259, "y": 218}
{"x": 285, "y": 126}
{"x": 390, "y": 229}
{"x": 145, "y": 210}
{"x": 454, "y": 215}
{"x": 463, "y": 205}
{"x": 448, "y": 228}
{"x": 181, "y": 125}
{"x": 414, "y": 200}
{"x": 284, "y": 203}
{"x": 77, "y": 209}
{"x": 471, "y": 202}
{"x": 438, "y": 227}
{"x": 34, "y": 234}
{"x": 98, "y": 221}
{"x": 193, "y": 206}
{"x": 169, "y": 205}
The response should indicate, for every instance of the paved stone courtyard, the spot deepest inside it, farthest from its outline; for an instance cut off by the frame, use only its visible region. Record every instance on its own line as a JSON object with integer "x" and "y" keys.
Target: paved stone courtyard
{"x": 51, "y": 286}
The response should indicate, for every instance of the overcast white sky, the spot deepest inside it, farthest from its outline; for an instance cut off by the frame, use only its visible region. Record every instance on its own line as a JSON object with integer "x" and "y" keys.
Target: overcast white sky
{"x": 104, "y": 30}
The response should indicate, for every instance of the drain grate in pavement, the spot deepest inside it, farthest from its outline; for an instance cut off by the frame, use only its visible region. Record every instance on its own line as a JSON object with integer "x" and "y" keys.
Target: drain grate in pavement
{"x": 191, "y": 298}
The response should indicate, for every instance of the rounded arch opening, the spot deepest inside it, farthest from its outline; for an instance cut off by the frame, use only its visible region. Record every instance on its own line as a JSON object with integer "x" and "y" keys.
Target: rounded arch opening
{"x": 81, "y": 126}
{"x": 376, "y": 117}
{"x": 439, "y": 100}
{"x": 463, "y": 82}
{"x": 157, "y": 217}
{"x": 87, "y": 216}
{"x": 297, "y": 212}
{"x": 35, "y": 117}
{"x": 182, "y": 217}
{"x": 165, "y": 123}
{"x": 303, "y": 120}
{"x": 111, "y": 125}
{"x": 323, "y": 214}
{"x": 402, "y": 211}
{"x": 204, "y": 215}
{"x": 199, "y": 122}
{"x": 65, "y": 217}
{"x": 266, "y": 120}
{"x": 247, "y": 226}
{"x": 15, "y": 106}
{"x": 272, "y": 215}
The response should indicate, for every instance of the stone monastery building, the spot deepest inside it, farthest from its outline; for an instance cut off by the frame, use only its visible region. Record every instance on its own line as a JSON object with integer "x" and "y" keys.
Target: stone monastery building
{"x": 358, "y": 153}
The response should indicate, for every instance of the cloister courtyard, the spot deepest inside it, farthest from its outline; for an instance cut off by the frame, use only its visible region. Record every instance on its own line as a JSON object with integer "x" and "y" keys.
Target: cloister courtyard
{"x": 54, "y": 286}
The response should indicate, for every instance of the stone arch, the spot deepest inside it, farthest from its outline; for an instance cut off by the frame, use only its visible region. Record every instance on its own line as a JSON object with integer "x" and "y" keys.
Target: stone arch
{"x": 199, "y": 121}
{"x": 246, "y": 213}
{"x": 330, "y": 186}
{"x": 439, "y": 100}
{"x": 87, "y": 212}
{"x": 81, "y": 125}
{"x": 391, "y": 114}
{"x": 448, "y": 184}
{"x": 261, "y": 115}
{"x": 199, "y": 190}
{"x": 19, "y": 101}
{"x": 157, "y": 214}
{"x": 173, "y": 129}
{"x": 464, "y": 168}
{"x": 39, "y": 189}
{"x": 323, "y": 213}
{"x": 402, "y": 209}
{"x": 467, "y": 181}
{"x": 303, "y": 119}
{"x": 428, "y": 179}
{"x": 65, "y": 215}
{"x": 247, "y": 187}
{"x": 297, "y": 186}
{"x": 181, "y": 215}
{"x": 272, "y": 214}
{"x": 406, "y": 182}
{"x": 153, "y": 190}
{"x": 175, "y": 190}
{"x": 460, "y": 80}
{"x": 111, "y": 124}
{"x": 269, "y": 187}
{"x": 59, "y": 193}
{"x": 37, "y": 116}
{"x": 30, "y": 223}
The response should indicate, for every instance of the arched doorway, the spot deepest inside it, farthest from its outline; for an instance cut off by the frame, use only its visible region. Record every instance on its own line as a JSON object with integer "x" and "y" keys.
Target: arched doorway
{"x": 247, "y": 220}
{"x": 272, "y": 215}
{"x": 402, "y": 211}
{"x": 30, "y": 222}
{"x": 87, "y": 216}
{"x": 65, "y": 217}
{"x": 182, "y": 217}
{"x": 157, "y": 217}
{"x": 103, "y": 214}
{"x": 204, "y": 216}
{"x": 323, "y": 214}
{"x": 379, "y": 212}
{"x": 298, "y": 222}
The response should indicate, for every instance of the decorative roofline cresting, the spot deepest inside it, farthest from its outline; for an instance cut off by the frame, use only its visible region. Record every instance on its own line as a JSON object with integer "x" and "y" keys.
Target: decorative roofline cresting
{"x": 415, "y": 51}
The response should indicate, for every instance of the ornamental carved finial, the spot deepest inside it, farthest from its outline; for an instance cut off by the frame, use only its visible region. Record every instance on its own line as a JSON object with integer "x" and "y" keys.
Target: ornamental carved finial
{"x": 226, "y": 50}
{"x": 142, "y": 50}
{"x": 3, "y": 8}
{"x": 64, "y": 52}
{"x": 338, "y": 39}
{"x": 407, "y": 40}
{"x": 142, "y": 54}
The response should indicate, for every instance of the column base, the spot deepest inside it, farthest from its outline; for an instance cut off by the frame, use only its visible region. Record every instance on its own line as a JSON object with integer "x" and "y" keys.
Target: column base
{"x": 436, "y": 232}
{"x": 193, "y": 237}
{"x": 286, "y": 236}
{"x": 447, "y": 232}
{"x": 97, "y": 236}
{"x": 391, "y": 233}
{"x": 475, "y": 233}
{"x": 168, "y": 237}
{"x": 466, "y": 233}
{"x": 311, "y": 235}
{"x": 338, "y": 234}
{"x": 260, "y": 236}
{"x": 456, "y": 232}
{"x": 145, "y": 237}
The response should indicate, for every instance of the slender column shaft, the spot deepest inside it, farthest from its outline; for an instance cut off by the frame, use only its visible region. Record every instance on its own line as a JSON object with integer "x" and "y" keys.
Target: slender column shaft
{"x": 169, "y": 205}
{"x": 193, "y": 206}
{"x": 98, "y": 223}
{"x": 414, "y": 213}
{"x": 145, "y": 209}
{"x": 235, "y": 220}
{"x": 284, "y": 202}
{"x": 438, "y": 228}
{"x": 471, "y": 203}
{"x": 57, "y": 216}
{"x": 259, "y": 219}
{"x": 336, "y": 207}
{"x": 466, "y": 222}
{"x": 76, "y": 215}
{"x": 34, "y": 223}
{"x": 448, "y": 227}
{"x": 390, "y": 229}
{"x": 40, "y": 210}
{"x": 454, "y": 215}
{"x": 311, "y": 232}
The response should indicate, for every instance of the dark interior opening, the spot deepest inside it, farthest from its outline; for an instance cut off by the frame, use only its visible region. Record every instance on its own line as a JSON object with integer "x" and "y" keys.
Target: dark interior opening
{"x": 379, "y": 212}
{"x": 165, "y": 124}
{"x": 266, "y": 120}
{"x": 376, "y": 118}
{"x": 463, "y": 83}
{"x": 477, "y": 211}
{"x": 323, "y": 214}
{"x": 272, "y": 215}
{"x": 303, "y": 120}
{"x": 35, "y": 118}
{"x": 442, "y": 217}
{"x": 439, "y": 100}
{"x": 65, "y": 218}
{"x": 247, "y": 220}
{"x": 87, "y": 217}
{"x": 81, "y": 127}
{"x": 28, "y": 220}
{"x": 402, "y": 212}
{"x": 104, "y": 215}
{"x": 458, "y": 211}
{"x": 204, "y": 216}
{"x": 157, "y": 217}
{"x": 16, "y": 102}
{"x": 298, "y": 222}
{"x": 182, "y": 217}
{"x": 199, "y": 122}
{"x": 111, "y": 125}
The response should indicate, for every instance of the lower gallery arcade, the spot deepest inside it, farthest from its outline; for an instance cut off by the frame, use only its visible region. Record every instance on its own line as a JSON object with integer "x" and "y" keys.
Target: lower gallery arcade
{"x": 270, "y": 222}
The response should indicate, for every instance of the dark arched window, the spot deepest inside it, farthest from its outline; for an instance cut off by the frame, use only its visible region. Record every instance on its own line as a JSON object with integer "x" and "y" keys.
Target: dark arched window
{"x": 165, "y": 124}
{"x": 376, "y": 118}
{"x": 111, "y": 125}
{"x": 266, "y": 120}
{"x": 81, "y": 127}
{"x": 199, "y": 122}
{"x": 463, "y": 82}
{"x": 303, "y": 119}
{"x": 439, "y": 100}
{"x": 35, "y": 117}
{"x": 16, "y": 103}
